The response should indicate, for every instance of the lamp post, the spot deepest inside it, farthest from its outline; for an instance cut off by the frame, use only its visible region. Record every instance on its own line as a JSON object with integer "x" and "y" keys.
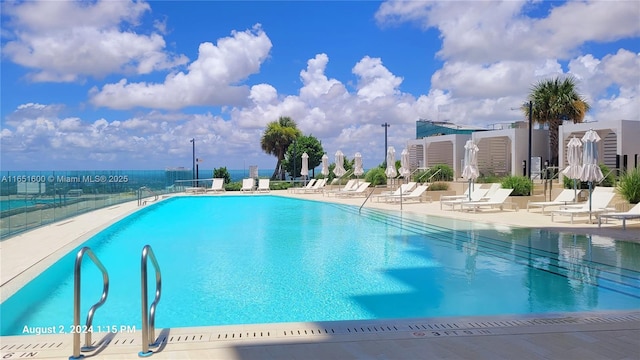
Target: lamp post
{"x": 293, "y": 176}
{"x": 193, "y": 155}
{"x": 385, "y": 126}
{"x": 530, "y": 132}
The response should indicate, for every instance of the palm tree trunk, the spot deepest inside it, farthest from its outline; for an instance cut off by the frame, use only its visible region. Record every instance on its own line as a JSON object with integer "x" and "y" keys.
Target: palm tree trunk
{"x": 276, "y": 170}
{"x": 554, "y": 128}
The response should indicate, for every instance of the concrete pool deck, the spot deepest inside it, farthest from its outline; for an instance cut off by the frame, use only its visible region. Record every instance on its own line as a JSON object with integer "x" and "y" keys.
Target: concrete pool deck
{"x": 599, "y": 335}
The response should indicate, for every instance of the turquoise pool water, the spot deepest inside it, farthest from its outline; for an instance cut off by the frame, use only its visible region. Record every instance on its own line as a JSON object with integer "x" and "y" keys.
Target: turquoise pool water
{"x": 246, "y": 259}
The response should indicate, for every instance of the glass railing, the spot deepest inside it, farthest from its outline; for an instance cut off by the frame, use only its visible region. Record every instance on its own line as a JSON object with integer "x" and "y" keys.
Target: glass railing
{"x": 29, "y": 199}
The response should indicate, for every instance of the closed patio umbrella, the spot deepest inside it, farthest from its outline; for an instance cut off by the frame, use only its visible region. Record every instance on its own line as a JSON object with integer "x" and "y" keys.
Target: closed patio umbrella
{"x": 405, "y": 171}
{"x": 357, "y": 165}
{"x": 574, "y": 169}
{"x": 339, "y": 169}
{"x": 325, "y": 165}
{"x": 470, "y": 170}
{"x": 391, "y": 163}
{"x": 590, "y": 170}
{"x": 305, "y": 166}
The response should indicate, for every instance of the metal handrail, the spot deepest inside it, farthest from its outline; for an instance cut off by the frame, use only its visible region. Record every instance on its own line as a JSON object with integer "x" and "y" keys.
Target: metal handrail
{"x": 611, "y": 171}
{"x": 77, "y": 328}
{"x": 434, "y": 174}
{"x": 426, "y": 171}
{"x": 149, "y": 314}
{"x": 365, "y": 200}
{"x": 140, "y": 197}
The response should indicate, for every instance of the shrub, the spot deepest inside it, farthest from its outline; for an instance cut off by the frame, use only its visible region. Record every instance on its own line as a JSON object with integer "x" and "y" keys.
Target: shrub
{"x": 233, "y": 186}
{"x": 376, "y": 176}
{"x": 438, "y": 186}
{"x": 443, "y": 172}
{"x": 488, "y": 179}
{"x": 521, "y": 185}
{"x": 607, "y": 182}
{"x": 629, "y": 186}
{"x": 222, "y": 173}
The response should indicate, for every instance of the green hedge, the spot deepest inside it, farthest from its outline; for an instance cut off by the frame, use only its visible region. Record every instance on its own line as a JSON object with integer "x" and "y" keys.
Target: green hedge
{"x": 521, "y": 185}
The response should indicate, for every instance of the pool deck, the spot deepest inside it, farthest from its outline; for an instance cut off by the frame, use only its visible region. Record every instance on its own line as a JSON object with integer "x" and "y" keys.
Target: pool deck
{"x": 596, "y": 335}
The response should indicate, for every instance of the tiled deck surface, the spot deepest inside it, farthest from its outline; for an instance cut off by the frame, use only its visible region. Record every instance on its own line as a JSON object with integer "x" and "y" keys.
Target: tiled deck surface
{"x": 613, "y": 335}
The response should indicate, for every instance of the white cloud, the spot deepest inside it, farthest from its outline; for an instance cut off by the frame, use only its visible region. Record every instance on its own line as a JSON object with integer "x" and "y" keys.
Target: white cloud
{"x": 211, "y": 79}
{"x": 492, "y": 53}
{"x": 65, "y": 41}
{"x": 490, "y": 31}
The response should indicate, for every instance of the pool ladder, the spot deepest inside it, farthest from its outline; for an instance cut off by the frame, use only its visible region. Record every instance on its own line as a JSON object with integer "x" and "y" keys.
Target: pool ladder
{"x": 77, "y": 328}
{"x": 148, "y": 314}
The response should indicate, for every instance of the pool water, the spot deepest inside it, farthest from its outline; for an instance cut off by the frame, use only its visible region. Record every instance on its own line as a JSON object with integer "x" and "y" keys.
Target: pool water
{"x": 246, "y": 259}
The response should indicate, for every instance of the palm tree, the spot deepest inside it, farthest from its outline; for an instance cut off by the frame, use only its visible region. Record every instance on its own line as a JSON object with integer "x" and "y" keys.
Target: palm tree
{"x": 276, "y": 139}
{"x": 554, "y": 101}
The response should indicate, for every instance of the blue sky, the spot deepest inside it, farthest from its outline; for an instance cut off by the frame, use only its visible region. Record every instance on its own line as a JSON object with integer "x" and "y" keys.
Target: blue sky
{"x": 126, "y": 85}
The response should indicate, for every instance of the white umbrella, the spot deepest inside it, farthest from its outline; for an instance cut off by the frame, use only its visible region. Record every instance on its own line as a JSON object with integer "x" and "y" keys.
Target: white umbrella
{"x": 339, "y": 169}
{"x": 574, "y": 153}
{"x": 470, "y": 170}
{"x": 590, "y": 170}
{"x": 325, "y": 165}
{"x": 391, "y": 163}
{"x": 405, "y": 171}
{"x": 305, "y": 165}
{"x": 357, "y": 165}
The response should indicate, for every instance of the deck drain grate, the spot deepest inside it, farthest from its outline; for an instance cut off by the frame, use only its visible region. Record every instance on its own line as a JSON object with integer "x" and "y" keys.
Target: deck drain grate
{"x": 241, "y": 335}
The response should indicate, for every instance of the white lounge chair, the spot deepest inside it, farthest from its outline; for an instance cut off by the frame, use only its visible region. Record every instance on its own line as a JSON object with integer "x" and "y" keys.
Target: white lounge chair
{"x": 349, "y": 186}
{"x": 496, "y": 200}
{"x": 217, "y": 186}
{"x": 565, "y": 197}
{"x": 318, "y": 187}
{"x": 263, "y": 185}
{"x": 492, "y": 190}
{"x": 247, "y": 185}
{"x": 306, "y": 187}
{"x": 415, "y": 195}
{"x": 404, "y": 189}
{"x": 465, "y": 195}
{"x": 361, "y": 190}
{"x": 476, "y": 195}
{"x": 195, "y": 190}
{"x": 599, "y": 202}
{"x": 633, "y": 213}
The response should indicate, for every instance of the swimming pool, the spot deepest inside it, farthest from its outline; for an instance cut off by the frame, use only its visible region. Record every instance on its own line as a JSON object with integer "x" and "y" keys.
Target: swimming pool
{"x": 245, "y": 259}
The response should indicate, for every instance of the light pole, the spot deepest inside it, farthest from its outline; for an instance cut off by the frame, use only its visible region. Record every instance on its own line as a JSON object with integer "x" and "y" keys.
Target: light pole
{"x": 193, "y": 155}
{"x": 293, "y": 176}
{"x": 385, "y": 126}
{"x": 530, "y": 132}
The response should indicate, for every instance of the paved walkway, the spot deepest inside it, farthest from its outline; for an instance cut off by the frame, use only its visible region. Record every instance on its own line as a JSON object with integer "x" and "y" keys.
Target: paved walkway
{"x": 599, "y": 335}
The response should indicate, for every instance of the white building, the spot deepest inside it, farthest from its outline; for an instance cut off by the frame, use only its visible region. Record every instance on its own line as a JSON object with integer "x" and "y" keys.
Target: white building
{"x": 619, "y": 146}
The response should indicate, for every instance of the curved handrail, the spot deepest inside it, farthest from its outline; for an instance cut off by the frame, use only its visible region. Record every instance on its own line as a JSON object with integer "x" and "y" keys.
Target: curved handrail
{"x": 149, "y": 315}
{"x": 76, "y": 301}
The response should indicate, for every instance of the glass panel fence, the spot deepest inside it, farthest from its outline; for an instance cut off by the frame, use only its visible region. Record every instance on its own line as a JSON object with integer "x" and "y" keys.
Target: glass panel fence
{"x": 29, "y": 199}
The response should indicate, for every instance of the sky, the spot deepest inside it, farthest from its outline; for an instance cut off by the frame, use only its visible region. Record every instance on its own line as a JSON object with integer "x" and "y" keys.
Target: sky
{"x": 124, "y": 85}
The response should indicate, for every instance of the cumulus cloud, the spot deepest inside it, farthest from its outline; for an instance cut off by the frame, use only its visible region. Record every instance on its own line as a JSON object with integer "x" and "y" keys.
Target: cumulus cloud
{"x": 490, "y": 31}
{"x": 210, "y": 80}
{"x": 66, "y": 41}
{"x": 492, "y": 52}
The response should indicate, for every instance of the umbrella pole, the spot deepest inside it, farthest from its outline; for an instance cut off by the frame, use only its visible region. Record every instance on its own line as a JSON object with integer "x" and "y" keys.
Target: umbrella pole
{"x": 590, "y": 191}
{"x": 469, "y": 190}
